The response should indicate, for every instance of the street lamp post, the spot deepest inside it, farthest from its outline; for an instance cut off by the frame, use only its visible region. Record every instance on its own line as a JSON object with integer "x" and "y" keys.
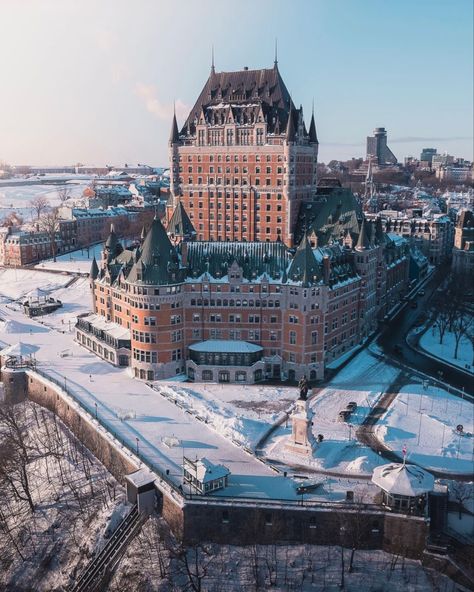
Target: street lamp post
{"x": 95, "y": 410}
{"x": 138, "y": 450}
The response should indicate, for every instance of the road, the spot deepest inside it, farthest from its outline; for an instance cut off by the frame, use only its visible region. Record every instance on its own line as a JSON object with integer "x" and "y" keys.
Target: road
{"x": 395, "y": 332}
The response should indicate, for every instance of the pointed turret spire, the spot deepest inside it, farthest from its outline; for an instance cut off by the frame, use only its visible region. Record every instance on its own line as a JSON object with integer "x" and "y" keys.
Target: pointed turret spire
{"x": 313, "y": 137}
{"x": 94, "y": 272}
{"x": 275, "y": 62}
{"x": 174, "y": 134}
{"x": 213, "y": 69}
{"x": 363, "y": 240}
{"x": 290, "y": 128}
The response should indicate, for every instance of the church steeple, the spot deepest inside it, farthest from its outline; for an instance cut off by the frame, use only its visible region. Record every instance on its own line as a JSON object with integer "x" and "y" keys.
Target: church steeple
{"x": 213, "y": 69}
{"x": 275, "y": 62}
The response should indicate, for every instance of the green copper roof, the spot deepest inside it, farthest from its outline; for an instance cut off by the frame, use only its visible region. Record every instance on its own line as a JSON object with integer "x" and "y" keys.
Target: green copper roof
{"x": 180, "y": 224}
{"x": 255, "y": 259}
{"x": 158, "y": 262}
{"x": 304, "y": 267}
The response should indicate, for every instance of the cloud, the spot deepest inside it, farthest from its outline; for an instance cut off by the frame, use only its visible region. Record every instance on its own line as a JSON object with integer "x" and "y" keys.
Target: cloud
{"x": 148, "y": 94}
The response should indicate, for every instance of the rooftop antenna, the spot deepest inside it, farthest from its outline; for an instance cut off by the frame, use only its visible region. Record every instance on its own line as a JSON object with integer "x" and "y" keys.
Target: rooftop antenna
{"x": 213, "y": 69}
{"x": 275, "y": 63}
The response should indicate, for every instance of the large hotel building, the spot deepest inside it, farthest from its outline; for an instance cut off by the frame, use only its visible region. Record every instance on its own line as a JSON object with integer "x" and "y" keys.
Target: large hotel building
{"x": 257, "y": 271}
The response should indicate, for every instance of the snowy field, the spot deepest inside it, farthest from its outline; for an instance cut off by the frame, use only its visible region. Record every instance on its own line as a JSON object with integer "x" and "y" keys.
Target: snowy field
{"x": 74, "y": 262}
{"x": 430, "y": 342}
{"x": 362, "y": 382}
{"x": 74, "y": 293}
{"x": 243, "y": 413}
{"x": 436, "y": 444}
{"x": 18, "y": 284}
{"x": 18, "y": 198}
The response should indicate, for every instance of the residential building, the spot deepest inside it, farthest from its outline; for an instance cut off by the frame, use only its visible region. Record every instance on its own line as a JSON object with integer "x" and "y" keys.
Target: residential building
{"x": 463, "y": 251}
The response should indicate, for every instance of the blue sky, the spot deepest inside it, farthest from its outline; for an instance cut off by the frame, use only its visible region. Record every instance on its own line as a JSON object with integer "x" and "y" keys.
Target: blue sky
{"x": 94, "y": 80}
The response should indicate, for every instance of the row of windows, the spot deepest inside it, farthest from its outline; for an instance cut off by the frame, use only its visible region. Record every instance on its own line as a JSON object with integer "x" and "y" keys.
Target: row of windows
{"x": 245, "y": 158}
{"x": 243, "y": 195}
{"x": 143, "y": 337}
{"x": 236, "y": 170}
{"x": 224, "y": 302}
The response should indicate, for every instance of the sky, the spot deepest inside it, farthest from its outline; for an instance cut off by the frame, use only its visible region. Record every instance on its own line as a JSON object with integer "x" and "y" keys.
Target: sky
{"x": 94, "y": 81}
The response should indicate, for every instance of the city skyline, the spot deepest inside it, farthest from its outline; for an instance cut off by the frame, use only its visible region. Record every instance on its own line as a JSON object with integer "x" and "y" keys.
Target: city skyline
{"x": 97, "y": 85}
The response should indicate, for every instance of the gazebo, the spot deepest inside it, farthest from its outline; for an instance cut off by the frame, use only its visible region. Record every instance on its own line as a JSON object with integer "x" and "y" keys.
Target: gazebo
{"x": 404, "y": 487}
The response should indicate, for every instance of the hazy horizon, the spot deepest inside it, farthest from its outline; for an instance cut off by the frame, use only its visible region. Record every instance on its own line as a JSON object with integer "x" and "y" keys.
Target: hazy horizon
{"x": 95, "y": 82}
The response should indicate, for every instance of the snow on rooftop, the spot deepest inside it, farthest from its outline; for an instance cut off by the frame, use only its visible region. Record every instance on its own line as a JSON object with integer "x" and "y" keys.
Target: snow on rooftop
{"x": 205, "y": 471}
{"x": 141, "y": 477}
{"x": 111, "y": 328}
{"x": 403, "y": 479}
{"x": 227, "y": 346}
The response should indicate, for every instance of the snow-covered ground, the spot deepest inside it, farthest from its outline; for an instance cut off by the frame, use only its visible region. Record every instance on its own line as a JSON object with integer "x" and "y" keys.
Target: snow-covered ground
{"x": 430, "y": 342}
{"x": 18, "y": 198}
{"x": 362, "y": 381}
{"x": 20, "y": 283}
{"x": 150, "y": 565}
{"x": 242, "y": 413}
{"x": 74, "y": 262}
{"x": 425, "y": 421}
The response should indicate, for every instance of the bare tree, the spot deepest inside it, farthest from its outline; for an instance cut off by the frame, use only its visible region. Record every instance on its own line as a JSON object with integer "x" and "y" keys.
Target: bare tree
{"x": 13, "y": 219}
{"x": 460, "y": 328}
{"x": 39, "y": 205}
{"x": 49, "y": 223}
{"x": 461, "y": 492}
{"x": 64, "y": 193}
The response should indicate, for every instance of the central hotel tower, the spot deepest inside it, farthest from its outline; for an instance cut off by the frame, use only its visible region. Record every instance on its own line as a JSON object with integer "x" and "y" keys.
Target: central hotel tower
{"x": 244, "y": 161}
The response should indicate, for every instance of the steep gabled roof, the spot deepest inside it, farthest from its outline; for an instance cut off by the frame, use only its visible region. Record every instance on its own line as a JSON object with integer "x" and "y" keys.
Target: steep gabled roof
{"x": 263, "y": 87}
{"x": 254, "y": 259}
{"x": 330, "y": 217}
{"x": 158, "y": 262}
{"x": 304, "y": 268}
{"x": 180, "y": 224}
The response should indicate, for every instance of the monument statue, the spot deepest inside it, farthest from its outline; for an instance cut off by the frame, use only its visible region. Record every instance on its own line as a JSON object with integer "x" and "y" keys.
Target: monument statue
{"x": 303, "y": 386}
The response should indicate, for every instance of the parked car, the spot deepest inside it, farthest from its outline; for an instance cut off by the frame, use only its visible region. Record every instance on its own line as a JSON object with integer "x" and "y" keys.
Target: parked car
{"x": 421, "y": 293}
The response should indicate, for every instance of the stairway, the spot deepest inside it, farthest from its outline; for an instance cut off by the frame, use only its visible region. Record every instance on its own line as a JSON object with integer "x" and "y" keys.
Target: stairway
{"x": 104, "y": 562}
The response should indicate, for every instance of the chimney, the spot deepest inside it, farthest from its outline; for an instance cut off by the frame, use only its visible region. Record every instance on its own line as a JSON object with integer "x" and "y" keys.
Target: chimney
{"x": 326, "y": 268}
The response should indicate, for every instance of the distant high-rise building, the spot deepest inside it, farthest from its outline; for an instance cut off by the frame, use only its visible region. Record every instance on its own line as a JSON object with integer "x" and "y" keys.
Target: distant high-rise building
{"x": 377, "y": 148}
{"x": 427, "y": 154}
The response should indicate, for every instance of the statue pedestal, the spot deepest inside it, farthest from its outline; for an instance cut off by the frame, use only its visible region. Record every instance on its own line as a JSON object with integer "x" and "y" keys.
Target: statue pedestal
{"x": 301, "y": 439}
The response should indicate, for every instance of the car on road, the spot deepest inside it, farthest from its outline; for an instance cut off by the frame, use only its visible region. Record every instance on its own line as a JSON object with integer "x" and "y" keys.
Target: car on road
{"x": 421, "y": 293}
